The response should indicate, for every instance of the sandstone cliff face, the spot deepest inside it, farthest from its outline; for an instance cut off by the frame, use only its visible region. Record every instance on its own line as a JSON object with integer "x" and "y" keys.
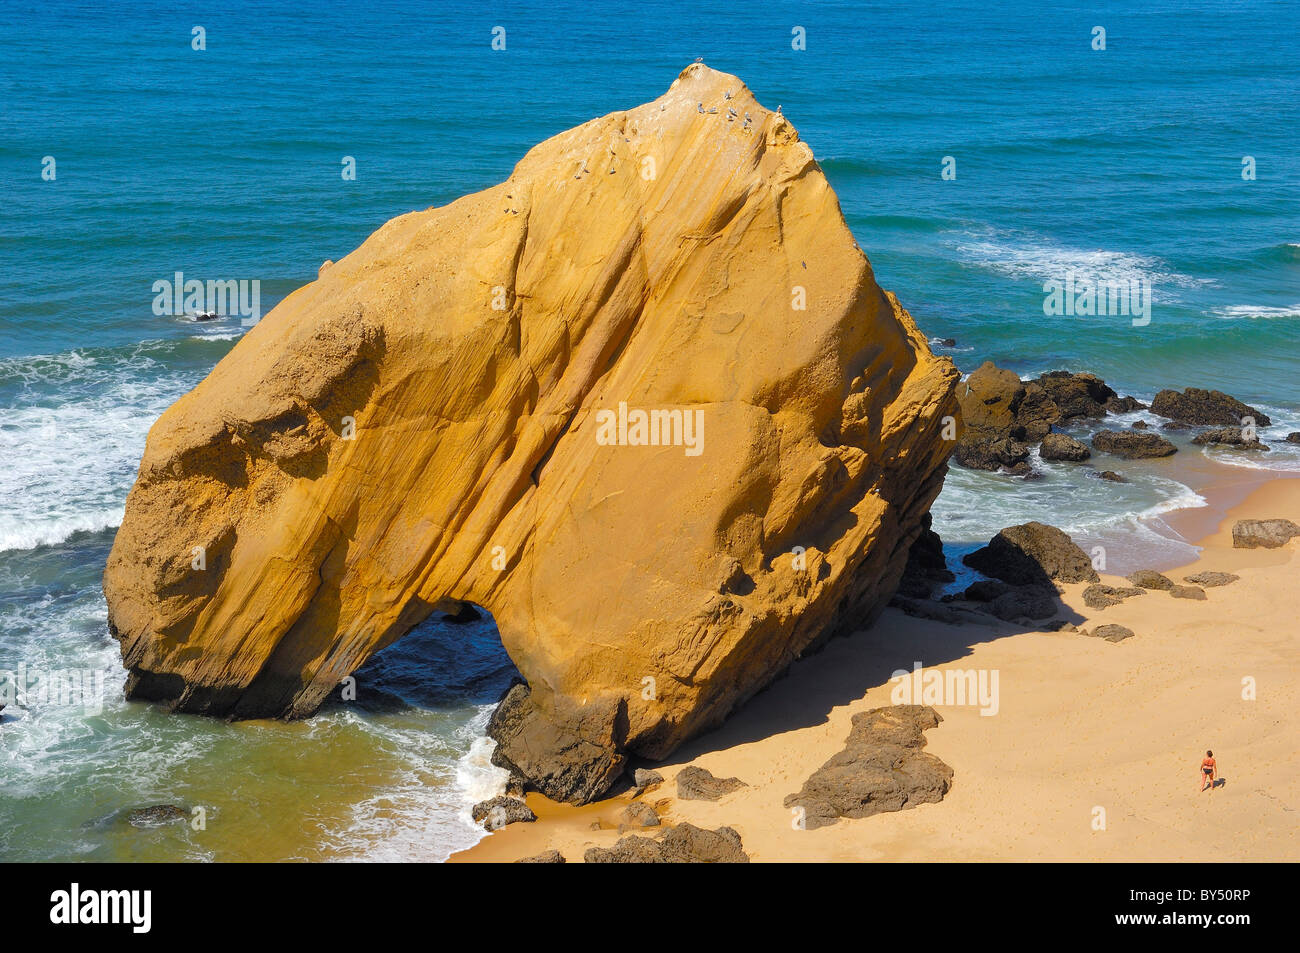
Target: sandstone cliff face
{"x": 429, "y": 423}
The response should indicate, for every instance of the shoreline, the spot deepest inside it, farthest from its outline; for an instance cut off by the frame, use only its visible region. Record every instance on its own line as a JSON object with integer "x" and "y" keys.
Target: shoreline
{"x": 1082, "y": 724}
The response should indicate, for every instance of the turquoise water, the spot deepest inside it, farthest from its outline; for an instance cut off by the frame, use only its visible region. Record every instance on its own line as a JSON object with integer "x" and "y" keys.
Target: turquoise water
{"x": 225, "y": 164}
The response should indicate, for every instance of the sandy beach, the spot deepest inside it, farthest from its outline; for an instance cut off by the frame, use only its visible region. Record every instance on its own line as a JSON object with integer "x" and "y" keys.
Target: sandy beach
{"x": 1092, "y": 753}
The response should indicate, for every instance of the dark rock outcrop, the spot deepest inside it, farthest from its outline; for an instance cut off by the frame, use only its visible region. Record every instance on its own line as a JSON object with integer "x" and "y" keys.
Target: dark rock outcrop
{"x": 1077, "y": 395}
{"x": 568, "y": 755}
{"x": 1263, "y": 534}
{"x": 1058, "y": 446}
{"x": 1228, "y": 436}
{"x": 926, "y": 565}
{"x": 1032, "y": 554}
{"x": 1132, "y": 446}
{"x": 882, "y": 768}
{"x": 1205, "y": 407}
{"x": 683, "y": 844}
{"x": 990, "y": 454}
{"x": 1025, "y": 604}
{"x": 1124, "y": 405}
{"x": 697, "y": 784}
{"x": 496, "y": 812}
{"x": 1111, "y": 476}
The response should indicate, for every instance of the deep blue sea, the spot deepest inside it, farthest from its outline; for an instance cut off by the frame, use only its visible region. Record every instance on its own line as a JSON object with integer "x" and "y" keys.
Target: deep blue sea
{"x": 127, "y": 155}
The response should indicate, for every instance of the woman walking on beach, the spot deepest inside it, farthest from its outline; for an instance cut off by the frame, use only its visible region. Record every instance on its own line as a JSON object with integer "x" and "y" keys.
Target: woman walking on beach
{"x": 1209, "y": 771}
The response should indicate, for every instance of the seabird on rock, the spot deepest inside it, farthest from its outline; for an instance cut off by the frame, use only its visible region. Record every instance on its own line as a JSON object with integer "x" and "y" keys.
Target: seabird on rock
{"x": 700, "y": 107}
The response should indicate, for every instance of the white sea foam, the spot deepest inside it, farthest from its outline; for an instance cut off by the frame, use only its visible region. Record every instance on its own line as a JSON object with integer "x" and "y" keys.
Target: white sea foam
{"x": 1029, "y": 259}
{"x": 1258, "y": 311}
{"x": 72, "y": 445}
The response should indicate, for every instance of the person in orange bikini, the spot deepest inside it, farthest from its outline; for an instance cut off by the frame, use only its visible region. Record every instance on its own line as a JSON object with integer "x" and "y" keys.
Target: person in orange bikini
{"x": 1209, "y": 771}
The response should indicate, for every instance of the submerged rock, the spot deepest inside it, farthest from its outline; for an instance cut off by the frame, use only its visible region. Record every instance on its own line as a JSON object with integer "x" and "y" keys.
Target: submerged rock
{"x": 1032, "y": 554}
{"x": 1132, "y": 446}
{"x": 1263, "y": 534}
{"x": 697, "y": 784}
{"x": 1228, "y": 436}
{"x": 1112, "y": 476}
{"x": 156, "y": 815}
{"x": 882, "y": 768}
{"x": 460, "y": 411}
{"x": 1196, "y": 406}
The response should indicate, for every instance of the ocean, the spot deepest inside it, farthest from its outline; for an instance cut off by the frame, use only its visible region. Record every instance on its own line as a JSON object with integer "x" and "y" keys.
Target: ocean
{"x": 1164, "y": 161}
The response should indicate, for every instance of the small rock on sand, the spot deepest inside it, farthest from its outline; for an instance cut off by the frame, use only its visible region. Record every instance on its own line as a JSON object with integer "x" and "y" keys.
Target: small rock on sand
{"x": 497, "y": 812}
{"x": 1187, "y": 592}
{"x": 1210, "y": 579}
{"x": 639, "y": 814}
{"x": 549, "y": 857}
{"x": 1111, "y": 633}
{"x": 697, "y": 784}
{"x": 1099, "y": 596}
{"x": 1150, "y": 579}
{"x": 1263, "y": 534}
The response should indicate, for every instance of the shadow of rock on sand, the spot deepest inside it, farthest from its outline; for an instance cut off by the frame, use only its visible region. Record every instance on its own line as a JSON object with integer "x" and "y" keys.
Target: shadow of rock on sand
{"x": 846, "y": 668}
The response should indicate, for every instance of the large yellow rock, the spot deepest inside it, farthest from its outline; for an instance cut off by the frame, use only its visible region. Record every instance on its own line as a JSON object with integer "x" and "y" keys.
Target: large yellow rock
{"x": 439, "y": 418}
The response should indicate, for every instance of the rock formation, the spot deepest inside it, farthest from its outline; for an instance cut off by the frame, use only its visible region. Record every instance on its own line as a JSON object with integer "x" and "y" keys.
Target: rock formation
{"x": 1004, "y": 415}
{"x": 1229, "y": 436}
{"x": 882, "y": 768}
{"x": 1132, "y": 446}
{"x": 460, "y": 411}
{"x": 1263, "y": 534}
{"x": 683, "y": 844}
{"x": 698, "y": 784}
{"x": 1197, "y": 406}
{"x": 1032, "y": 554}
{"x": 1098, "y": 596}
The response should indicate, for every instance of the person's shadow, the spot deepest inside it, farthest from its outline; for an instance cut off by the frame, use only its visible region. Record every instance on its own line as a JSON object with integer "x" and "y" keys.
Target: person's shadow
{"x": 1219, "y": 782}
